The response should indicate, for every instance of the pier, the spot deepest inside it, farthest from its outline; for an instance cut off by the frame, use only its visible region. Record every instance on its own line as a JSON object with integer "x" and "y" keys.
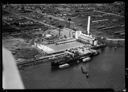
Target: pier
{"x": 110, "y": 39}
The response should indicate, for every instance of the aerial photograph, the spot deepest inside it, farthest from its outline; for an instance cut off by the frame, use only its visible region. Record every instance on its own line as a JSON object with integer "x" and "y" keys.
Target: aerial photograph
{"x": 63, "y": 46}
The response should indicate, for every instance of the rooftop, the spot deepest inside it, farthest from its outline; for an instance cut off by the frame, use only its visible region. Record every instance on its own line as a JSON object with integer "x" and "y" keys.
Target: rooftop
{"x": 62, "y": 47}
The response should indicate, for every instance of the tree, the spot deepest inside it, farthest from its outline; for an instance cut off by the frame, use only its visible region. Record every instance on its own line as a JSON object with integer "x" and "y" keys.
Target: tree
{"x": 60, "y": 27}
{"x": 65, "y": 36}
{"x": 69, "y": 21}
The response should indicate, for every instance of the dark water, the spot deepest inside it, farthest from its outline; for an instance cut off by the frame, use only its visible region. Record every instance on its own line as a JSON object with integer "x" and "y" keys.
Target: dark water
{"x": 105, "y": 70}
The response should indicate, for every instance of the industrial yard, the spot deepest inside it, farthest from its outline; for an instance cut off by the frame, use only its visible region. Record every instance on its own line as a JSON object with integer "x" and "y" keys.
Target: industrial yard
{"x": 58, "y": 39}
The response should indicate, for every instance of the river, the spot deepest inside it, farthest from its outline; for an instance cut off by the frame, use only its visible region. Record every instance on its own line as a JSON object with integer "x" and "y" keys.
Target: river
{"x": 105, "y": 71}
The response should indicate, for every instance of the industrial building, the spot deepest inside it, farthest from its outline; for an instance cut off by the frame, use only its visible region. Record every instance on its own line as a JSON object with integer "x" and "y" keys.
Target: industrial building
{"x": 42, "y": 37}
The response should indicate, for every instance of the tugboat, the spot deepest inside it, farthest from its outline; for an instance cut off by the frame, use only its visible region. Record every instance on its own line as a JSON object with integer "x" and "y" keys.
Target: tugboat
{"x": 98, "y": 46}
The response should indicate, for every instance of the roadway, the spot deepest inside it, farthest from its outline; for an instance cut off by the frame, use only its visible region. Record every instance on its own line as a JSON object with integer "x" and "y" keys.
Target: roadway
{"x": 106, "y": 13}
{"x": 54, "y": 17}
{"x": 38, "y": 20}
{"x": 20, "y": 15}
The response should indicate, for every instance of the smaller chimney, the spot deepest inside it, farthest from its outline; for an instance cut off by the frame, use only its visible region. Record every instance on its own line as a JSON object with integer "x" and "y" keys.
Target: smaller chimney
{"x": 88, "y": 26}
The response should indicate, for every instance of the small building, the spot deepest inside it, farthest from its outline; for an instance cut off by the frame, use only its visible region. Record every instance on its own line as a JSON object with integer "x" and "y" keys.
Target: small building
{"x": 77, "y": 34}
{"x": 48, "y": 35}
{"x": 67, "y": 32}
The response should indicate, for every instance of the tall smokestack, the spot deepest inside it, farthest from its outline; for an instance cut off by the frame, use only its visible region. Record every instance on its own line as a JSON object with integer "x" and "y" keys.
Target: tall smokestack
{"x": 88, "y": 26}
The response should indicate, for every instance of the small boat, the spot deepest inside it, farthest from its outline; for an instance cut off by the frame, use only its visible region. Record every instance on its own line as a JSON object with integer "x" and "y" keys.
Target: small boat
{"x": 84, "y": 70}
{"x": 86, "y": 59}
{"x": 64, "y": 65}
{"x": 98, "y": 46}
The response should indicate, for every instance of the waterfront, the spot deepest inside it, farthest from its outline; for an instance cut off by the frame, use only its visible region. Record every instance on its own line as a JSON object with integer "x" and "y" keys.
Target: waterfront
{"x": 105, "y": 70}
{"x": 33, "y": 32}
